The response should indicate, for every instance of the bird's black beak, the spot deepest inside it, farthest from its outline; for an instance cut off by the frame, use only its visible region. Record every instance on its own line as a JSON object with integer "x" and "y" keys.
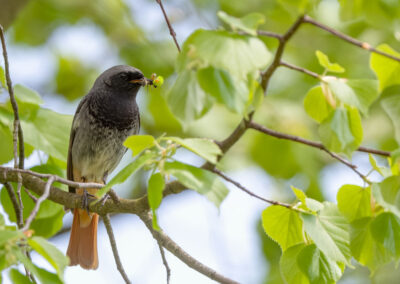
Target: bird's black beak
{"x": 143, "y": 82}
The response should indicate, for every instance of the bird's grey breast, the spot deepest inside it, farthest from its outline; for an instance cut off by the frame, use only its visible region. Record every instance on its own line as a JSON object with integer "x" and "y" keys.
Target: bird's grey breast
{"x": 100, "y": 132}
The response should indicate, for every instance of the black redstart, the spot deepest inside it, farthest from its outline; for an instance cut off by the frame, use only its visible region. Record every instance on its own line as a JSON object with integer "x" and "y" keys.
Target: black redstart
{"x": 105, "y": 117}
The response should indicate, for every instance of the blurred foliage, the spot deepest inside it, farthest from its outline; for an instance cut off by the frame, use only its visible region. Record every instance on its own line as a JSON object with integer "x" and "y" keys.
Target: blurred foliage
{"x": 209, "y": 87}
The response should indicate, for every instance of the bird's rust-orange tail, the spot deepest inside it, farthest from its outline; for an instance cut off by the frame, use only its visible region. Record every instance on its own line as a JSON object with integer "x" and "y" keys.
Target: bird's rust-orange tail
{"x": 82, "y": 248}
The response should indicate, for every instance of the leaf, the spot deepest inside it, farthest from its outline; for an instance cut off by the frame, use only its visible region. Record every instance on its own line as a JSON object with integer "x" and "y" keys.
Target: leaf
{"x": 283, "y": 225}
{"x": 354, "y": 201}
{"x": 56, "y": 258}
{"x": 203, "y": 147}
{"x": 375, "y": 166}
{"x": 248, "y": 23}
{"x": 9, "y": 236}
{"x": 224, "y": 88}
{"x": 187, "y": 99}
{"x": 237, "y": 54}
{"x": 2, "y": 78}
{"x": 342, "y": 130}
{"x": 154, "y": 194}
{"x": 126, "y": 172}
{"x": 324, "y": 62}
{"x": 387, "y": 194}
{"x": 357, "y": 93}
{"x": 200, "y": 180}
{"x": 301, "y": 196}
{"x": 289, "y": 267}
{"x": 43, "y": 275}
{"x": 315, "y": 104}
{"x": 391, "y": 105}
{"x": 387, "y": 70}
{"x": 329, "y": 231}
{"x": 18, "y": 278}
{"x": 6, "y": 144}
{"x": 363, "y": 246}
{"x": 317, "y": 266}
{"x": 24, "y": 95}
{"x": 386, "y": 231}
{"x": 48, "y": 131}
{"x": 138, "y": 143}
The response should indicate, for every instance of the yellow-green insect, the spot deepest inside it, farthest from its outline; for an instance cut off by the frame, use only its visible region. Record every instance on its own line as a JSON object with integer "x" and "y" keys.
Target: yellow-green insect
{"x": 157, "y": 80}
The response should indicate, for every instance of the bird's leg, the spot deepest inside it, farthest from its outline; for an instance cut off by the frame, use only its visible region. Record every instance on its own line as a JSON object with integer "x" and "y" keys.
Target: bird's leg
{"x": 85, "y": 198}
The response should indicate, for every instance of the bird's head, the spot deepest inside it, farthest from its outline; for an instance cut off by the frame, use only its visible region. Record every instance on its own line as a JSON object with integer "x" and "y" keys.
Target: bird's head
{"x": 122, "y": 78}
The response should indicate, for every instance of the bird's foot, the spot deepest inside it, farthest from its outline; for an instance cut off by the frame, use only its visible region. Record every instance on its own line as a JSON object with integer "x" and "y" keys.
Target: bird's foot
{"x": 86, "y": 196}
{"x": 110, "y": 194}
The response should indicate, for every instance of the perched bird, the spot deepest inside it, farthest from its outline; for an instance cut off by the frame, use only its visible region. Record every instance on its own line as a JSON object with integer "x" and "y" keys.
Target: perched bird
{"x": 105, "y": 117}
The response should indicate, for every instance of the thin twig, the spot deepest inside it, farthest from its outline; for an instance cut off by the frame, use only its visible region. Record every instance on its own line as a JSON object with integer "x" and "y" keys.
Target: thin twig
{"x": 171, "y": 29}
{"x": 34, "y": 199}
{"x": 107, "y": 223}
{"x": 42, "y": 198}
{"x": 349, "y": 39}
{"x": 165, "y": 262}
{"x": 17, "y": 123}
{"x": 269, "y": 34}
{"x": 176, "y": 250}
{"x": 314, "y": 144}
{"x": 15, "y": 203}
{"x": 240, "y": 186}
{"x": 266, "y": 76}
{"x": 300, "y": 69}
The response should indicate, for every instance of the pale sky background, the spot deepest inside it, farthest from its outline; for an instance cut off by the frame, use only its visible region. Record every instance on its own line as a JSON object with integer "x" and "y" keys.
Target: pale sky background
{"x": 224, "y": 239}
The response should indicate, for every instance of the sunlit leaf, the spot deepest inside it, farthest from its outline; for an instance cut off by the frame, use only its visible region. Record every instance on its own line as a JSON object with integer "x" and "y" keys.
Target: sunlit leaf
{"x": 154, "y": 194}
{"x": 329, "y": 231}
{"x": 316, "y": 104}
{"x": 25, "y": 95}
{"x": 203, "y": 147}
{"x": 354, "y": 201}
{"x": 19, "y": 278}
{"x": 200, "y": 180}
{"x": 385, "y": 229}
{"x": 387, "y": 194}
{"x": 289, "y": 267}
{"x": 387, "y": 70}
{"x": 138, "y": 143}
{"x": 392, "y": 107}
{"x": 324, "y": 62}
{"x": 283, "y": 225}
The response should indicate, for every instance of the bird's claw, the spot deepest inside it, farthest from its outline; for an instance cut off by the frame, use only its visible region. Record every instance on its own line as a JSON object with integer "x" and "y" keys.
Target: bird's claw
{"x": 85, "y": 200}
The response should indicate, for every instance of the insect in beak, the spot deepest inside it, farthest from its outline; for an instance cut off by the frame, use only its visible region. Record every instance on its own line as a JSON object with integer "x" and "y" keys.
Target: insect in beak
{"x": 143, "y": 82}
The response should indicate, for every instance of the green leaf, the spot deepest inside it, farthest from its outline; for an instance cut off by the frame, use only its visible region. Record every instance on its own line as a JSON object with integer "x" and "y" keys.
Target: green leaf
{"x": 283, "y": 225}
{"x": 324, "y": 62}
{"x": 56, "y": 258}
{"x": 387, "y": 194}
{"x": 357, "y": 93}
{"x": 314, "y": 205}
{"x": 301, "y": 196}
{"x": 237, "y": 54}
{"x": 363, "y": 246}
{"x": 200, "y": 180}
{"x": 391, "y": 105}
{"x": 187, "y": 99}
{"x": 138, "y": 143}
{"x": 154, "y": 194}
{"x": 126, "y": 172}
{"x": 248, "y": 23}
{"x": 342, "y": 130}
{"x": 44, "y": 276}
{"x": 374, "y": 164}
{"x": 18, "y": 278}
{"x": 203, "y": 147}
{"x": 315, "y": 104}
{"x": 387, "y": 70}
{"x": 289, "y": 267}
{"x": 9, "y": 236}
{"x": 329, "y": 231}
{"x": 6, "y": 144}
{"x": 25, "y": 95}
{"x": 317, "y": 266}
{"x": 2, "y": 78}
{"x": 224, "y": 88}
{"x": 48, "y": 131}
{"x": 386, "y": 231}
{"x": 354, "y": 201}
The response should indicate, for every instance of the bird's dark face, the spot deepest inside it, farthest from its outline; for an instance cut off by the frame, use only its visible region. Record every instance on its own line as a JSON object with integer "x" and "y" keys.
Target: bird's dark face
{"x": 122, "y": 78}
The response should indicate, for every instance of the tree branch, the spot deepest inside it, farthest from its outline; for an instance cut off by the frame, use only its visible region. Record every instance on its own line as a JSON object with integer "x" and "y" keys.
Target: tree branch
{"x": 175, "y": 249}
{"x": 42, "y": 198}
{"x": 349, "y": 39}
{"x": 107, "y": 223}
{"x": 171, "y": 29}
{"x": 164, "y": 260}
{"x": 300, "y": 69}
{"x": 17, "y": 124}
{"x": 15, "y": 203}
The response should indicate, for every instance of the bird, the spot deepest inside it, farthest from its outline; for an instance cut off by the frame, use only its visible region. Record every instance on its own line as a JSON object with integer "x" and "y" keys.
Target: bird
{"x": 104, "y": 118}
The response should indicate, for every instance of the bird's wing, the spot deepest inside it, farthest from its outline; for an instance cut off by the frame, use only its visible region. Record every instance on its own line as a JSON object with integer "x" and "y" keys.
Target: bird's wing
{"x": 74, "y": 127}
